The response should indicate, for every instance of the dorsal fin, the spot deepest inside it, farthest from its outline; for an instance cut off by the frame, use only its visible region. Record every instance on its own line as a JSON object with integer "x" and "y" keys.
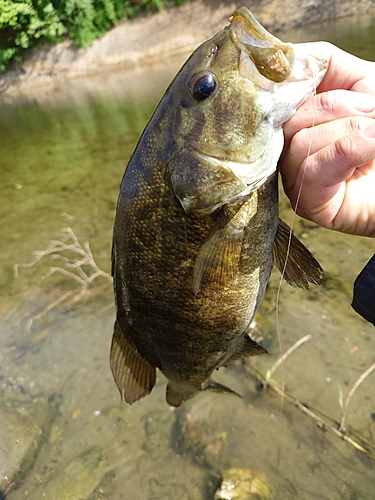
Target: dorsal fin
{"x": 134, "y": 375}
{"x": 301, "y": 266}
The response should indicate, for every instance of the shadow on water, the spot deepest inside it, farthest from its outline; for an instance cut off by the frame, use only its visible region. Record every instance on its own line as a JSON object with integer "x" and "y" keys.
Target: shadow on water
{"x": 62, "y": 158}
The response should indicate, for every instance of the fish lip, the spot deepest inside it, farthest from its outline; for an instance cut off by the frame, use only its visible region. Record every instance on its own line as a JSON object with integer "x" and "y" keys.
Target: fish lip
{"x": 275, "y": 60}
{"x": 243, "y": 18}
{"x": 272, "y": 58}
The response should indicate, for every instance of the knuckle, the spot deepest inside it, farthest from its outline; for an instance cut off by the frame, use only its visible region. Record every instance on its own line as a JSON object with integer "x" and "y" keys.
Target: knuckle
{"x": 358, "y": 123}
{"x": 354, "y": 124}
{"x": 346, "y": 150}
{"x": 300, "y": 141}
{"x": 328, "y": 102}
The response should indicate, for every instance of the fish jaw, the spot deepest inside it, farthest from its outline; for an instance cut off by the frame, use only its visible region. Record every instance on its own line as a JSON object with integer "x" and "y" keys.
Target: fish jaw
{"x": 283, "y": 75}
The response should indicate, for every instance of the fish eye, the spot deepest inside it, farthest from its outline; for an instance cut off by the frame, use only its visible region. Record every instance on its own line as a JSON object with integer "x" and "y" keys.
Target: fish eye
{"x": 203, "y": 85}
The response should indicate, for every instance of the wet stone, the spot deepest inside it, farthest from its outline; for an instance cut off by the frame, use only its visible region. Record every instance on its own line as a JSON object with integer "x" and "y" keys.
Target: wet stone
{"x": 244, "y": 484}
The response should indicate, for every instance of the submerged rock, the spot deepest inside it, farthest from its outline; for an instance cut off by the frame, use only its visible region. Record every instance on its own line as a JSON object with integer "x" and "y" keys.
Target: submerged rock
{"x": 21, "y": 430}
{"x": 77, "y": 480}
{"x": 158, "y": 425}
{"x": 202, "y": 432}
{"x": 244, "y": 484}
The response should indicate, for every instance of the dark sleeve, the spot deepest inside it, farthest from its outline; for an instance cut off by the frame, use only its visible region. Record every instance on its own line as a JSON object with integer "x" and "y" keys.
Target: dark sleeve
{"x": 364, "y": 292}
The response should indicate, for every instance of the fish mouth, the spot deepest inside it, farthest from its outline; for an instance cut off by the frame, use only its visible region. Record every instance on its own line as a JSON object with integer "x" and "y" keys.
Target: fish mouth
{"x": 274, "y": 60}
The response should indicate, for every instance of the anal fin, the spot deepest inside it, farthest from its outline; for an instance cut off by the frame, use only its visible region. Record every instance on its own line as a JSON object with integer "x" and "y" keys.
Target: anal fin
{"x": 216, "y": 387}
{"x": 296, "y": 263}
{"x": 248, "y": 348}
{"x": 177, "y": 395}
{"x": 134, "y": 375}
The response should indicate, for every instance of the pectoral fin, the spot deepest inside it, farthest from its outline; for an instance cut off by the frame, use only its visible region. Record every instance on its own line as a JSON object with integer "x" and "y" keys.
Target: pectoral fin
{"x": 134, "y": 375}
{"x": 296, "y": 263}
{"x": 218, "y": 258}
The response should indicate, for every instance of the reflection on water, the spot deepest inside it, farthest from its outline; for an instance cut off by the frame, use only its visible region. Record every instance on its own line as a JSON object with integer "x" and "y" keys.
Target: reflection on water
{"x": 63, "y": 153}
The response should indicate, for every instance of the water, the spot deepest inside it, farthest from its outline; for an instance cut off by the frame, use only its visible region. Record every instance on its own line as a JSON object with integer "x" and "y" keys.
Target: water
{"x": 63, "y": 153}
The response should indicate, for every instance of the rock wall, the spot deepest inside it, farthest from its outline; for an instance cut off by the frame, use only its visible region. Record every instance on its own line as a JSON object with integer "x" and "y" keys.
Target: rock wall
{"x": 173, "y": 31}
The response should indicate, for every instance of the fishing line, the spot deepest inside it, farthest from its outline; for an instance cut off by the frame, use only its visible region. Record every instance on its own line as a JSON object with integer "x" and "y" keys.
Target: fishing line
{"x": 288, "y": 253}
{"x": 278, "y": 417}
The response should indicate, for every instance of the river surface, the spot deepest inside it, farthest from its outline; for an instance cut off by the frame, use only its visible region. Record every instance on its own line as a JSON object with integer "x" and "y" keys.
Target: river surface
{"x": 63, "y": 154}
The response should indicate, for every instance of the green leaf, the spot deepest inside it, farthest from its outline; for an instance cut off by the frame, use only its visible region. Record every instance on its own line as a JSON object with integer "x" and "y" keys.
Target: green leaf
{"x": 23, "y": 22}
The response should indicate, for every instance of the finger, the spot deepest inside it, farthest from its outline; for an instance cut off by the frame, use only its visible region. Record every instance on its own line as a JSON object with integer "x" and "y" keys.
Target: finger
{"x": 344, "y": 71}
{"x": 337, "y": 162}
{"x": 327, "y": 107}
{"x": 310, "y": 140}
{"x": 323, "y": 175}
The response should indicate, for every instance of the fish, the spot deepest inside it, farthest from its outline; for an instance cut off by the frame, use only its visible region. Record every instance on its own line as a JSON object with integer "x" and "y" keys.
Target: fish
{"x": 197, "y": 231}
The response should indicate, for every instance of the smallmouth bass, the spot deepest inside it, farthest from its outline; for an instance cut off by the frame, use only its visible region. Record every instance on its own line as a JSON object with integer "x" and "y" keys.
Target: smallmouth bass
{"x": 197, "y": 230}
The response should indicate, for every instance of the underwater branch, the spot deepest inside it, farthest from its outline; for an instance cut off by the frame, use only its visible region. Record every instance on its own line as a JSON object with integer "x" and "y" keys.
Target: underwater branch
{"x": 78, "y": 264}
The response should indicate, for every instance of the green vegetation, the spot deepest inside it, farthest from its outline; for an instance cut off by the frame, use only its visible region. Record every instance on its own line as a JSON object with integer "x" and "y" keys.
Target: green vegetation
{"x": 24, "y": 22}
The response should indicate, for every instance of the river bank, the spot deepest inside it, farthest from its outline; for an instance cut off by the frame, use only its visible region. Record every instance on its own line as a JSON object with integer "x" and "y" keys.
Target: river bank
{"x": 175, "y": 32}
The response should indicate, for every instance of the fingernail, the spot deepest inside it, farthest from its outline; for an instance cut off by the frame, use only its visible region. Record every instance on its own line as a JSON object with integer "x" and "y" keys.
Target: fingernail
{"x": 369, "y": 131}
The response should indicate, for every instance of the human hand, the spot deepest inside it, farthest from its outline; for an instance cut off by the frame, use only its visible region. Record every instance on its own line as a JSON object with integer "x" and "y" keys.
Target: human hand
{"x": 330, "y": 146}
